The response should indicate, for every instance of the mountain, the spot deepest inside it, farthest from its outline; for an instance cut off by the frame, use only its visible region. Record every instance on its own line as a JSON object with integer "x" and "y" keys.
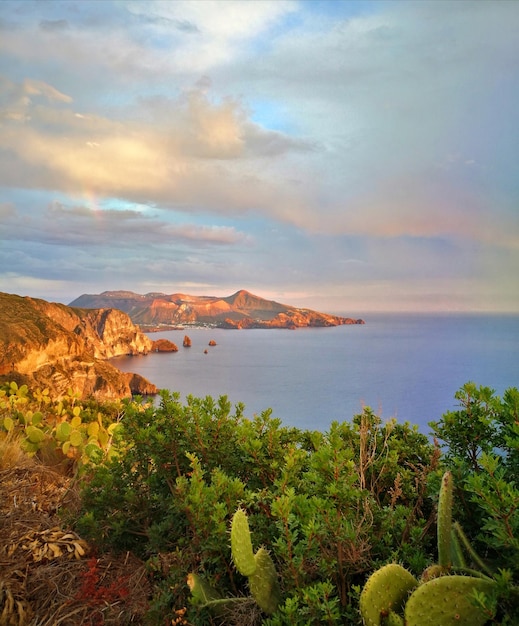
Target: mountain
{"x": 52, "y": 345}
{"x": 240, "y": 310}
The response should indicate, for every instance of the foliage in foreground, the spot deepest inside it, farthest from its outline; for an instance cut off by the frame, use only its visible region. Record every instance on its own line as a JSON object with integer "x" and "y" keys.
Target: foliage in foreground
{"x": 459, "y": 590}
{"x": 330, "y": 508}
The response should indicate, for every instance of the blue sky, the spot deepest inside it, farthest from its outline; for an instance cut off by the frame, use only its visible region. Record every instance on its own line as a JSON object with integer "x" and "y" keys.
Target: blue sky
{"x": 344, "y": 156}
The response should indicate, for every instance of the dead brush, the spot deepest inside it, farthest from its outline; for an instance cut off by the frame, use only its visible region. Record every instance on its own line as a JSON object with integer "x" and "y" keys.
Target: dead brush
{"x": 42, "y": 566}
{"x": 11, "y": 453}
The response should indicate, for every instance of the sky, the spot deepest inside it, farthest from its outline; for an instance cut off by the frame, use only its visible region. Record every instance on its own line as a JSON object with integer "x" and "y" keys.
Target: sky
{"x": 346, "y": 156}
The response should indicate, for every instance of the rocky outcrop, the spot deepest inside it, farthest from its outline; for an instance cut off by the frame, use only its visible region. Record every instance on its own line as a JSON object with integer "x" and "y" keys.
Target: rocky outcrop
{"x": 187, "y": 342}
{"x": 164, "y": 345}
{"x": 140, "y": 386}
{"x": 52, "y": 345}
{"x": 292, "y": 320}
{"x": 157, "y": 311}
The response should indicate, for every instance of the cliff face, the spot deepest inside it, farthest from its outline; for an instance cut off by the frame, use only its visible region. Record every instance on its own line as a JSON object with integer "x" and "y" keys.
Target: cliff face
{"x": 64, "y": 348}
{"x": 240, "y": 310}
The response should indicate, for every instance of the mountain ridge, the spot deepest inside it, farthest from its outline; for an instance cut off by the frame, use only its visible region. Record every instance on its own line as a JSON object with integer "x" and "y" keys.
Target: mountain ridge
{"x": 242, "y": 309}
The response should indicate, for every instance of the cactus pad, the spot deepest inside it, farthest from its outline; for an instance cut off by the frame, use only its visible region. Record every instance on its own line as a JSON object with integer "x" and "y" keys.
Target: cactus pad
{"x": 241, "y": 544}
{"x": 386, "y": 589}
{"x": 445, "y": 521}
{"x": 393, "y": 619}
{"x": 201, "y": 591}
{"x": 446, "y": 601}
{"x": 264, "y": 584}
{"x": 433, "y": 571}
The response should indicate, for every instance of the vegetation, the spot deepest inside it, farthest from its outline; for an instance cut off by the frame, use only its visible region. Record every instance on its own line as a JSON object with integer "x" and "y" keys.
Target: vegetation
{"x": 230, "y": 520}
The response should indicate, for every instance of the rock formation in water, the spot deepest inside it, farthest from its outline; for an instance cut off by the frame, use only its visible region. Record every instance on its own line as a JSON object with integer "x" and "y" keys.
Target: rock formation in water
{"x": 241, "y": 310}
{"x": 52, "y": 345}
{"x": 164, "y": 345}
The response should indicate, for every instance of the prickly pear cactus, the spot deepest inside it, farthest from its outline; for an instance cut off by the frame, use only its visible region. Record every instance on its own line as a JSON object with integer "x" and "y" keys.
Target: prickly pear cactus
{"x": 386, "y": 590}
{"x": 263, "y": 583}
{"x": 445, "y": 521}
{"x": 440, "y": 599}
{"x": 241, "y": 544}
{"x": 393, "y": 619}
{"x": 433, "y": 571}
{"x": 201, "y": 590}
{"x": 259, "y": 569}
{"x": 446, "y": 601}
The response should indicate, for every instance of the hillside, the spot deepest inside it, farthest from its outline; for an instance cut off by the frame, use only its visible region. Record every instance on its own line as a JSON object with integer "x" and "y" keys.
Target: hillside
{"x": 240, "y": 310}
{"x": 59, "y": 347}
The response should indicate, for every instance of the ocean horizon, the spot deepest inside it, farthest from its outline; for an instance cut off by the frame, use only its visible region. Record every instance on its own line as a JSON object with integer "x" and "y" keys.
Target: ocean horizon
{"x": 406, "y": 366}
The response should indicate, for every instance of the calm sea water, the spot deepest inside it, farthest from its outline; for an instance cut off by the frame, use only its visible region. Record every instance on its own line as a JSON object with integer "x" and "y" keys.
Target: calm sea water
{"x": 403, "y": 366}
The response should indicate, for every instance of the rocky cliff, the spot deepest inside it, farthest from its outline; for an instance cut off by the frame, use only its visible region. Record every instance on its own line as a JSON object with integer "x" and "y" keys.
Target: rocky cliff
{"x": 240, "y": 310}
{"x": 60, "y": 347}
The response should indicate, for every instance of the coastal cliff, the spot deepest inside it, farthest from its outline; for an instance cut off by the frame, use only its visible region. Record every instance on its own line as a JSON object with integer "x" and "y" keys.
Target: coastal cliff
{"x": 158, "y": 311}
{"x": 60, "y": 347}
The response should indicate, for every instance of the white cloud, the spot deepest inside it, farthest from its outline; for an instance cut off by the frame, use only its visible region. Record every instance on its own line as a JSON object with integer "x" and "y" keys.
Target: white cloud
{"x": 389, "y": 127}
{"x": 39, "y": 88}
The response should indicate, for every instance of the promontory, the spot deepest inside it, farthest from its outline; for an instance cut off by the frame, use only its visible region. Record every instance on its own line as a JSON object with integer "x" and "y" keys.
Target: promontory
{"x": 159, "y": 311}
{"x": 50, "y": 345}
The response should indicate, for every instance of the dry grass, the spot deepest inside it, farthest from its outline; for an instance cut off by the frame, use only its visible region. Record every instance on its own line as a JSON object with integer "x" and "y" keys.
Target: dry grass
{"x": 11, "y": 454}
{"x": 45, "y": 578}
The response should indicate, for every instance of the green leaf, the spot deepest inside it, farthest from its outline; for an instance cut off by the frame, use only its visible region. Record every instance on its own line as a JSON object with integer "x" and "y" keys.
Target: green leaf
{"x": 113, "y": 428}
{"x": 93, "y": 452}
{"x": 37, "y": 418}
{"x": 34, "y": 435}
{"x": 63, "y": 431}
{"x": 76, "y": 438}
{"x": 29, "y": 446}
{"x": 93, "y": 429}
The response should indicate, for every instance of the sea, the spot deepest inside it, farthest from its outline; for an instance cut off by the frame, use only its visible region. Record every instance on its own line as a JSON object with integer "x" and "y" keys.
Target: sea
{"x": 403, "y": 366}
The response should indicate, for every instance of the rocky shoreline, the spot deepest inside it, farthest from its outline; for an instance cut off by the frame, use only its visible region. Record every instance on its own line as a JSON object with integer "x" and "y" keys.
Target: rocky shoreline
{"x": 64, "y": 349}
{"x": 67, "y": 348}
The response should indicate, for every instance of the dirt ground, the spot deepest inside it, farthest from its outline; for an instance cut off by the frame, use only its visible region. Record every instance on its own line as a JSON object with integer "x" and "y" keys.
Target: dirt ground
{"x": 49, "y": 576}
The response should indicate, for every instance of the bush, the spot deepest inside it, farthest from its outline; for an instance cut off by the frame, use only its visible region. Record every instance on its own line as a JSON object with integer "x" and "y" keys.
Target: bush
{"x": 330, "y": 507}
{"x": 327, "y": 505}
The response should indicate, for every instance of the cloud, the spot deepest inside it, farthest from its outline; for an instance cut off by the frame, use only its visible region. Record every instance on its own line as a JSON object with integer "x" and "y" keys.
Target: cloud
{"x": 54, "y": 25}
{"x": 354, "y": 145}
{"x": 390, "y": 95}
{"x": 39, "y": 88}
{"x": 177, "y": 157}
{"x": 80, "y": 225}
{"x": 7, "y": 210}
{"x": 226, "y": 27}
